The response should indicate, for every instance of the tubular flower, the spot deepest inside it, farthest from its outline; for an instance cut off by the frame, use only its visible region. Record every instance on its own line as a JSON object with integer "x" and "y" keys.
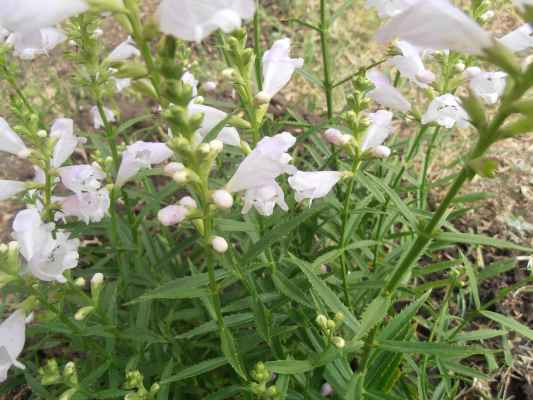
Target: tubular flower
{"x": 86, "y": 206}
{"x": 489, "y": 86}
{"x": 12, "y": 339}
{"x": 278, "y": 68}
{"x": 63, "y": 131}
{"x": 212, "y": 117}
{"x": 411, "y": 66}
{"x": 437, "y": 25}
{"x": 385, "y": 94}
{"x": 379, "y": 130}
{"x": 264, "y": 199}
{"x": 29, "y": 46}
{"x": 446, "y": 110}
{"x": 313, "y": 185}
{"x": 123, "y": 51}
{"x": 97, "y": 118}
{"x": 264, "y": 164}
{"x": 10, "y": 142}
{"x": 82, "y": 178}
{"x": 10, "y": 188}
{"x": 194, "y": 20}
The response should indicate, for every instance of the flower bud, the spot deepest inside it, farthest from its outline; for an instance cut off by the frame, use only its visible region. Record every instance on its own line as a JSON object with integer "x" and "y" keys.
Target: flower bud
{"x": 222, "y": 199}
{"x": 331, "y": 324}
{"x": 262, "y": 98}
{"x": 338, "y": 342}
{"x": 209, "y": 86}
{"x": 216, "y": 145}
{"x": 181, "y": 177}
{"x": 188, "y": 202}
{"x": 322, "y": 321}
{"x": 471, "y": 72}
{"x": 198, "y": 100}
{"x": 83, "y": 313}
{"x": 219, "y": 244}
{"x": 172, "y": 215}
{"x": 460, "y": 67}
{"x": 336, "y": 137}
{"x": 97, "y": 282}
{"x": 80, "y": 282}
{"x": 42, "y": 134}
{"x": 380, "y": 152}
{"x": 173, "y": 167}
{"x": 204, "y": 149}
{"x": 228, "y": 73}
{"x": 326, "y": 390}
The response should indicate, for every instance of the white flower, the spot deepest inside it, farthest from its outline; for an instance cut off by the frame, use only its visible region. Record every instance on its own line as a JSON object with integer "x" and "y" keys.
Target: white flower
{"x": 446, "y": 110}
{"x": 172, "y": 215}
{"x": 326, "y": 390}
{"x": 12, "y": 339}
{"x": 385, "y": 94}
{"x": 411, "y": 66}
{"x": 123, "y": 51}
{"x": 190, "y": 80}
{"x": 97, "y": 118}
{"x": 10, "y": 142}
{"x": 222, "y": 199}
{"x": 188, "y": 202}
{"x": 121, "y": 84}
{"x": 489, "y": 86}
{"x": 140, "y": 155}
{"x": 30, "y": 45}
{"x": 264, "y": 164}
{"x": 31, "y": 15}
{"x": 379, "y": 130}
{"x": 520, "y": 39}
{"x": 87, "y": 206}
{"x": 336, "y": 137}
{"x": 46, "y": 257}
{"x": 278, "y": 67}
{"x": 63, "y": 131}
{"x": 81, "y": 178}
{"x": 212, "y": 117}
{"x": 390, "y": 8}
{"x": 10, "y": 188}
{"x": 313, "y": 185}
{"x": 194, "y": 20}
{"x": 264, "y": 199}
{"x": 438, "y": 25}
{"x": 219, "y": 244}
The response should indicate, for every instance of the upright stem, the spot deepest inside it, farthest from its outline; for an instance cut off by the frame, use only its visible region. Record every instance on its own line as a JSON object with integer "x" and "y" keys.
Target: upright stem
{"x": 324, "y": 45}
{"x": 257, "y": 47}
{"x": 422, "y": 189}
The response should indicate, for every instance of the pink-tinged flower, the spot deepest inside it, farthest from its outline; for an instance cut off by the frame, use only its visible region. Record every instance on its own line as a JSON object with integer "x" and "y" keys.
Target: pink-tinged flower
{"x": 438, "y": 25}
{"x": 30, "y": 45}
{"x": 63, "y": 131}
{"x": 10, "y": 188}
{"x": 212, "y": 117}
{"x": 489, "y": 86}
{"x": 313, "y": 185}
{"x": 141, "y": 155}
{"x": 123, "y": 51}
{"x": 194, "y": 20}
{"x": 219, "y": 244}
{"x": 278, "y": 68}
{"x": 31, "y": 15}
{"x": 97, "y": 118}
{"x": 411, "y": 66}
{"x": 264, "y": 199}
{"x": 87, "y": 206}
{"x": 172, "y": 215}
{"x": 264, "y": 164}
{"x": 336, "y": 137}
{"x": 47, "y": 257}
{"x": 390, "y": 8}
{"x": 520, "y": 39}
{"x": 385, "y": 94}
{"x": 10, "y": 142}
{"x": 82, "y": 178}
{"x": 12, "y": 339}
{"x": 379, "y": 130}
{"x": 446, "y": 110}
{"x": 326, "y": 390}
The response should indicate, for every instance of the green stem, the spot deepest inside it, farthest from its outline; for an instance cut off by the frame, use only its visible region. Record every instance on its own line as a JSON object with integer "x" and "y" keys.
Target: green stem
{"x": 257, "y": 47}
{"x": 422, "y": 188}
{"x": 324, "y": 45}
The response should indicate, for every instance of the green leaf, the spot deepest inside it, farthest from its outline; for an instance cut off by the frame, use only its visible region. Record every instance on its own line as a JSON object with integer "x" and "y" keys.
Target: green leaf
{"x": 456, "y": 237}
{"x": 430, "y": 348}
{"x": 290, "y": 289}
{"x": 355, "y": 387}
{"x": 375, "y": 313}
{"x": 480, "y": 334}
{"x": 229, "y": 348}
{"x": 280, "y": 232}
{"x": 509, "y": 323}
{"x": 472, "y": 281}
{"x": 290, "y": 367}
{"x": 197, "y": 369}
{"x": 327, "y": 295}
{"x": 464, "y": 370}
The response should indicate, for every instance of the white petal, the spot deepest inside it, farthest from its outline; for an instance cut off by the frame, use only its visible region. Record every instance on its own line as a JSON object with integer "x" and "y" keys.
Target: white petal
{"x": 10, "y": 188}
{"x": 140, "y": 155}
{"x": 81, "y": 178}
{"x": 385, "y": 94}
{"x": 10, "y": 142}
{"x": 264, "y": 199}
{"x": 12, "y": 339}
{"x": 97, "y": 119}
{"x": 190, "y": 80}
{"x": 212, "y": 117}
{"x": 520, "y": 39}
{"x": 63, "y": 129}
{"x": 489, "y": 86}
{"x": 313, "y": 185}
{"x": 390, "y": 8}
{"x": 446, "y": 110}
{"x": 438, "y": 25}
{"x": 278, "y": 67}
{"x": 30, "y": 232}
{"x": 194, "y": 20}
{"x": 411, "y": 66}
{"x": 87, "y": 207}
{"x": 123, "y": 51}
{"x": 379, "y": 130}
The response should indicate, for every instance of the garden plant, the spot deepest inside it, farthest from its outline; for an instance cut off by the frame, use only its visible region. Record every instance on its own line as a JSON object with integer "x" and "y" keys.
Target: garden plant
{"x": 227, "y": 244}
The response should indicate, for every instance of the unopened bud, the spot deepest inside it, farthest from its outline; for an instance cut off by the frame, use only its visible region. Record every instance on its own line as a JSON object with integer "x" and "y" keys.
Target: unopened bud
{"x": 188, "y": 202}
{"x": 380, "y": 151}
{"x": 222, "y": 199}
{"x": 198, "y": 100}
{"x": 338, "y": 342}
{"x": 181, "y": 177}
{"x": 262, "y": 98}
{"x": 82, "y": 313}
{"x": 322, "y": 321}
{"x": 204, "y": 149}
{"x": 331, "y": 324}
{"x": 216, "y": 145}
{"x": 80, "y": 282}
{"x": 219, "y": 244}
{"x": 336, "y": 137}
{"x": 471, "y": 72}
{"x": 326, "y": 390}
{"x": 172, "y": 215}
{"x": 42, "y": 133}
{"x": 173, "y": 167}
{"x": 460, "y": 67}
